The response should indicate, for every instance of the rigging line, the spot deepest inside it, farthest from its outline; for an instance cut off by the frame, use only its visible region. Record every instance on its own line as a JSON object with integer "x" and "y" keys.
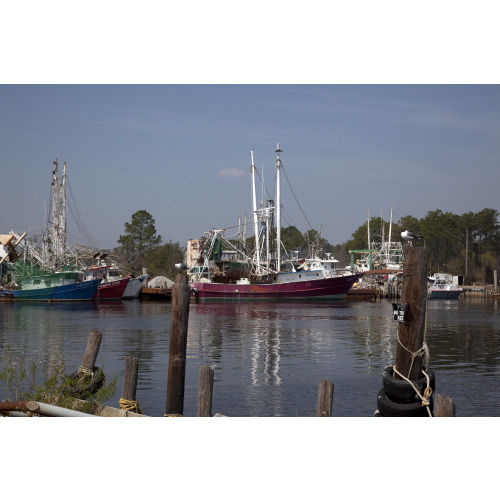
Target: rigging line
{"x": 284, "y": 212}
{"x": 77, "y": 216}
{"x": 83, "y": 227}
{"x": 293, "y": 192}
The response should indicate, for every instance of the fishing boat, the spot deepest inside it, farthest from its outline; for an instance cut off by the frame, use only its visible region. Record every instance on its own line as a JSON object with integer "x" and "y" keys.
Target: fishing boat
{"x": 66, "y": 286}
{"x": 134, "y": 287}
{"x": 21, "y": 282}
{"x": 112, "y": 285}
{"x": 230, "y": 273}
{"x": 444, "y": 288}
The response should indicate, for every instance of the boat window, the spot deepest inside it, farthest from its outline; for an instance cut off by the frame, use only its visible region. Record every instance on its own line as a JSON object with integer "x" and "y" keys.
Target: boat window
{"x": 37, "y": 282}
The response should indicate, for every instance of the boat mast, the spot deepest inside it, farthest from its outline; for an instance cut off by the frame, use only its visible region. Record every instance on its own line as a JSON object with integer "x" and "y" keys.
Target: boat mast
{"x": 390, "y": 228}
{"x": 62, "y": 194}
{"x": 278, "y": 208}
{"x": 255, "y": 216}
{"x": 368, "y": 225}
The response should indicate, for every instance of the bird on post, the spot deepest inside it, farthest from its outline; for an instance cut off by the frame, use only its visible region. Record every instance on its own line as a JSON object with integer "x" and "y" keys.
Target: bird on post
{"x": 409, "y": 237}
{"x": 181, "y": 266}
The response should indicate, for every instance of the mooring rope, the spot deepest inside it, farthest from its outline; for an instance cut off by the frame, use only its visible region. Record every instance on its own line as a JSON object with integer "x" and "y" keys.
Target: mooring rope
{"x": 86, "y": 371}
{"x": 128, "y": 405}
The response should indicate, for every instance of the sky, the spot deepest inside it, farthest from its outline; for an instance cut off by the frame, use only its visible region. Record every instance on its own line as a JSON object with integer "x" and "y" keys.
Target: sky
{"x": 375, "y": 107}
{"x": 182, "y": 153}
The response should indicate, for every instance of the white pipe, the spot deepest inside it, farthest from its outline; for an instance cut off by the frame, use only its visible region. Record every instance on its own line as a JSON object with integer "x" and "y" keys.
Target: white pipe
{"x": 55, "y": 411}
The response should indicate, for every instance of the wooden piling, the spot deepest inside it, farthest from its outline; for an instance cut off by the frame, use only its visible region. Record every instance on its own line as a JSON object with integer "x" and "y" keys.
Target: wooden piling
{"x": 90, "y": 355}
{"x": 128, "y": 400}
{"x": 130, "y": 379}
{"x": 178, "y": 345}
{"x": 443, "y": 406}
{"x": 205, "y": 392}
{"x": 325, "y": 398}
{"x": 411, "y": 332}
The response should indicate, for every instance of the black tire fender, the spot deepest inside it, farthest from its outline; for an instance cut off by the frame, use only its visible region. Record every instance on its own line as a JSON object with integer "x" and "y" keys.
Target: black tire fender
{"x": 401, "y": 391}
{"x": 83, "y": 392}
{"x": 389, "y": 408}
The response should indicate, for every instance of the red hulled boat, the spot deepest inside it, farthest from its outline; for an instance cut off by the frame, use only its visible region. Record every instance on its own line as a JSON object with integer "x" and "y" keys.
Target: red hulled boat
{"x": 113, "y": 284}
{"x": 220, "y": 268}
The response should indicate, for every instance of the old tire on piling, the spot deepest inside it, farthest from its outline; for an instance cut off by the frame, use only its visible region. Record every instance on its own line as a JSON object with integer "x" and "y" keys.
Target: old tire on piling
{"x": 401, "y": 391}
{"x": 389, "y": 408}
{"x": 79, "y": 391}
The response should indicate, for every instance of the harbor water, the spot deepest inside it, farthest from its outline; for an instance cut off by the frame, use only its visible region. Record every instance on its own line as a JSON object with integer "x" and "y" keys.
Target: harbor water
{"x": 268, "y": 357}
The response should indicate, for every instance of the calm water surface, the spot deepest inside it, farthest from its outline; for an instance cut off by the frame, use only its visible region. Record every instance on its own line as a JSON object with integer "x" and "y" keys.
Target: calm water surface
{"x": 268, "y": 357}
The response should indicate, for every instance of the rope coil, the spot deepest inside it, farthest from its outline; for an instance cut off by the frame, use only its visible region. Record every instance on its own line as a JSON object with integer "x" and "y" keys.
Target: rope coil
{"x": 128, "y": 405}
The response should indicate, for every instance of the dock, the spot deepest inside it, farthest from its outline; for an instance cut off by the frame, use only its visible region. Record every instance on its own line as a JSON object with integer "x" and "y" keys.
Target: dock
{"x": 156, "y": 294}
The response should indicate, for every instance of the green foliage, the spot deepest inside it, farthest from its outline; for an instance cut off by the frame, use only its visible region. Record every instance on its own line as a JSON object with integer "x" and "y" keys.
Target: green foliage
{"x": 292, "y": 238}
{"x": 359, "y": 239}
{"x": 467, "y": 244}
{"x": 161, "y": 260}
{"x": 139, "y": 238}
{"x": 22, "y": 385}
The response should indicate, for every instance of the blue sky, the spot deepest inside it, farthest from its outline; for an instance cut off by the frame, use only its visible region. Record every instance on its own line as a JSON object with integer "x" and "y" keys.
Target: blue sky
{"x": 374, "y": 105}
{"x": 182, "y": 152}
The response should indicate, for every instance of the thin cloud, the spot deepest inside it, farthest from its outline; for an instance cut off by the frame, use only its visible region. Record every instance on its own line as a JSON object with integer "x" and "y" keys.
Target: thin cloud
{"x": 228, "y": 173}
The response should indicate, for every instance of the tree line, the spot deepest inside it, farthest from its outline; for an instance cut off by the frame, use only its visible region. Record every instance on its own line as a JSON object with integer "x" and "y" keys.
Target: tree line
{"x": 467, "y": 244}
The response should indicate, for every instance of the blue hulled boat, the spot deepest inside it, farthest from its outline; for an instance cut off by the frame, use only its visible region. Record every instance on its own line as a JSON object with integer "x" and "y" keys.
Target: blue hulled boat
{"x": 63, "y": 286}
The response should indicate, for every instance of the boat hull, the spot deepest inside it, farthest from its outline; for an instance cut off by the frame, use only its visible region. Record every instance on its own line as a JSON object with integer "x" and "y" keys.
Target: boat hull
{"x": 445, "y": 294}
{"x": 74, "y": 292}
{"x": 319, "y": 289}
{"x": 133, "y": 288}
{"x": 111, "y": 290}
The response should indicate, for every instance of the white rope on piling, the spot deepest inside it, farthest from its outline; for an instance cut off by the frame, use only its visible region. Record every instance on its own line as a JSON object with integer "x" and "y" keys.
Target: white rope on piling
{"x": 86, "y": 371}
{"x": 426, "y": 398}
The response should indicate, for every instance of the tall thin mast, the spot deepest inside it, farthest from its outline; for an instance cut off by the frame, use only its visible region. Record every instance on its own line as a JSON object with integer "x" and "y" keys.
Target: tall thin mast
{"x": 368, "y": 226}
{"x": 63, "y": 212}
{"x": 278, "y": 208}
{"x": 390, "y": 227}
{"x": 255, "y": 215}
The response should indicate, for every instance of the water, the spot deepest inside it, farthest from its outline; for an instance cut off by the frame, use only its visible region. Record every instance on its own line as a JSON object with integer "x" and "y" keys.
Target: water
{"x": 268, "y": 357}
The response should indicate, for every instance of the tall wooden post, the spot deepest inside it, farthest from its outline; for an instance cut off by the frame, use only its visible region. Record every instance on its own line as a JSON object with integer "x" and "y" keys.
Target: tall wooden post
{"x": 411, "y": 332}
{"x": 495, "y": 281}
{"x": 90, "y": 356}
{"x": 130, "y": 379}
{"x": 178, "y": 346}
{"x": 205, "y": 392}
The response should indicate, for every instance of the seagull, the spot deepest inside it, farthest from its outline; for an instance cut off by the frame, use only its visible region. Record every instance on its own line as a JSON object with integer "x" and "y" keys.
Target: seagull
{"x": 181, "y": 266}
{"x": 409, "y": 237}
